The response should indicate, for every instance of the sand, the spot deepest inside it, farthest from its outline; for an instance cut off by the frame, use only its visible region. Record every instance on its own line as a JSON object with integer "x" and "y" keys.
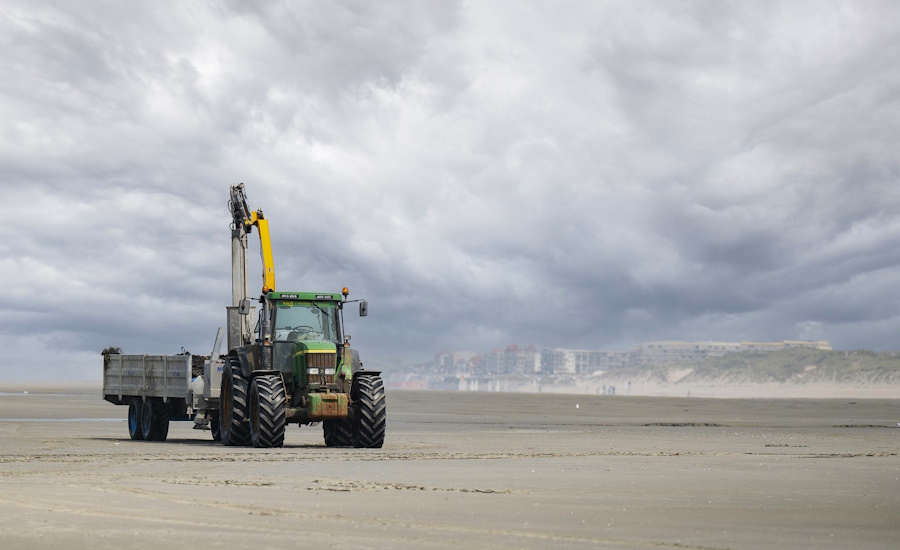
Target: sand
{"x": 463, "y": 469}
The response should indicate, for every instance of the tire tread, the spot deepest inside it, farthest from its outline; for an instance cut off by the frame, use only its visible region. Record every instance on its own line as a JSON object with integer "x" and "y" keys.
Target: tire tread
{"x": 338, "y": 433}
{"x": 371, "y": 422}
{"x": 237, "y": 433}
{"x": 155, "y": 425}
{"x": 269, "y": 404}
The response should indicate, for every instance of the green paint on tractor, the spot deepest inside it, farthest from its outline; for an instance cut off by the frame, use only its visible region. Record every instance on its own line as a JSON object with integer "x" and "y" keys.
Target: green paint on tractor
{"x": 306, "y": 354}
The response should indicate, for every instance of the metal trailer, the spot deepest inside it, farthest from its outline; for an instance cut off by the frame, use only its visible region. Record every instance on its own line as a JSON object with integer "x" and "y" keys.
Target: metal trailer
{"x": 161, "y": 388}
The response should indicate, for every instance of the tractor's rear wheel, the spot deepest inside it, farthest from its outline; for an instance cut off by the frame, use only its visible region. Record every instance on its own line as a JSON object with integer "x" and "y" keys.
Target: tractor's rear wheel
{"x": 371, "y": 412}
{"x": 154, "y": 419}
{"x": 268, "y": 403}
{"x": 338, "y": 433}
{"x": 233, "y": 407}
{"x": 135, "y": 429}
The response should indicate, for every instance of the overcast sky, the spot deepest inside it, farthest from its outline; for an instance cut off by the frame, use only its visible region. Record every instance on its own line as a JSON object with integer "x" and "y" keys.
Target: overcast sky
{"x": 568, "y": 174}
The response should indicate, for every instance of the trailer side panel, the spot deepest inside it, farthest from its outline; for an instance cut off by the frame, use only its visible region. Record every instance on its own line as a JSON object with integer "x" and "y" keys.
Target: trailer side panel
{"x": 127, "y": 376}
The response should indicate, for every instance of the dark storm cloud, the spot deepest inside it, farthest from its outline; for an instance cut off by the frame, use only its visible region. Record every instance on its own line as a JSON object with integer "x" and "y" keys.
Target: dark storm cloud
{"x": 578, "y": 174}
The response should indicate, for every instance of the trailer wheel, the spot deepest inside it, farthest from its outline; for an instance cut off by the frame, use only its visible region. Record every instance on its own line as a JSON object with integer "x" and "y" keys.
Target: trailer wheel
{"x": 135, "y": 430}
{"x": 268, "y": 404}
{"x": 371, "y": 412}
{"x": 338, "y": 433}
{"x": 155, "y": 419}
{"x": 233, "y": 407}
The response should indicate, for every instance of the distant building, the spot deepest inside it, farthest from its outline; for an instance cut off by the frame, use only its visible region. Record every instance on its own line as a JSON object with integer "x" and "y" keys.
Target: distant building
{"x": 582, "y": 361}
{"x": 658, "y": 353}
{"x": 823, "y": 345}
{"x": 512, "y": 360}
{"x": 456, "y": 363}
{"x": 517, "y": 361}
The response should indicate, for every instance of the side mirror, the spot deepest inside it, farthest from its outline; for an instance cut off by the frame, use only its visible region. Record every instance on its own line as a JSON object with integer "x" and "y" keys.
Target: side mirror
{"x": 244, "y": 307}
{"x": 363, "y": 308}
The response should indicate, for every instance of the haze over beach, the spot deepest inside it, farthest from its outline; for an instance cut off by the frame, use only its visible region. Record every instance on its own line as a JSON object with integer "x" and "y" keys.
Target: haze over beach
{"x": 644, "y": 256}
{"x": 585, "y": 175}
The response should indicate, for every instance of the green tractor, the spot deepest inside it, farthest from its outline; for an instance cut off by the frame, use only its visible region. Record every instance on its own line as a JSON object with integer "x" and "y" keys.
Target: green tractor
{"x": 297, "y": 365}
{"x": 300, "y": 369}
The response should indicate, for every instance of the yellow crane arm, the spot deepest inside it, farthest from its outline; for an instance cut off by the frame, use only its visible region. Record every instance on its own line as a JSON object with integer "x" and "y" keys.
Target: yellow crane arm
{"x": 265, "y": 249}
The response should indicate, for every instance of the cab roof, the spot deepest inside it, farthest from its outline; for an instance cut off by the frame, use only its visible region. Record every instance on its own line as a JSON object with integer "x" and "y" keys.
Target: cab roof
{"x": 305, "y": 296}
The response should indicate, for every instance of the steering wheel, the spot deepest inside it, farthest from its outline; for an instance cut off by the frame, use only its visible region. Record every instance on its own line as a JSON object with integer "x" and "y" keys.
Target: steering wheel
{"x": 301, "y": 328}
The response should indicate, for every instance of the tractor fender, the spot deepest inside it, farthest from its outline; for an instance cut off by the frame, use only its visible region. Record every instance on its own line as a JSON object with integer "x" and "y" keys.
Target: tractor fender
{"x": 354, "y": 387}
{"x": 367, "y": 373}
{"x": 241, "y": 355}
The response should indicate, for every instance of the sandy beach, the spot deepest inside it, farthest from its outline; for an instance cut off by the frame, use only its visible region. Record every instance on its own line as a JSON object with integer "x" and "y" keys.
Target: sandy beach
{"x": 463, "y": 469}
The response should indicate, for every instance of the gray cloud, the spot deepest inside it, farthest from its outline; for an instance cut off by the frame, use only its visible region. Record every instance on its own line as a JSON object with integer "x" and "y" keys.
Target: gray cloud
{"x": 585, "y": 174}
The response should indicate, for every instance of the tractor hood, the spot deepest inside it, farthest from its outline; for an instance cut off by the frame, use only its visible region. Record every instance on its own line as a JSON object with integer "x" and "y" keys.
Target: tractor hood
{"x": 315, "y": 362}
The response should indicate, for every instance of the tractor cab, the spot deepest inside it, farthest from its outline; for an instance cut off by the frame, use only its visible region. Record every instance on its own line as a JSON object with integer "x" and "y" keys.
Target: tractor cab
{"x": 302, "y": 333}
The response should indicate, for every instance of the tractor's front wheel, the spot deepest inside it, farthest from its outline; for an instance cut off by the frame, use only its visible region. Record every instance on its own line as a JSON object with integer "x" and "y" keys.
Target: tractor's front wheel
{"x": 371, "y": 412}
{"x": 268, "y": 409}
{"x": 233, "y": 407}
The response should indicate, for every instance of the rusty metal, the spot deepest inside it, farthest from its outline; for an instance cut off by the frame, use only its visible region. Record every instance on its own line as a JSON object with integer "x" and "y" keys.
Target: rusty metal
{"x": 327, "y": 405}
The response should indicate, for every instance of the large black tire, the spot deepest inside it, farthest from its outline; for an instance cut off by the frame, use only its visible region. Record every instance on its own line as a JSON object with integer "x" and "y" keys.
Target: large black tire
{"x": 371, "y": 412}
{"x": 134, "y": 419}
{"x": 338, "y": 433}
{"x": 234, "y": 423}
{"x": 155, "y": 419}
{"x": 268, "y": 404}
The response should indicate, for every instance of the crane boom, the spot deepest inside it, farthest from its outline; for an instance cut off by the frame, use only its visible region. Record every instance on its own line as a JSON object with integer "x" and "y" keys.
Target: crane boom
{"x": 244, "y": 220}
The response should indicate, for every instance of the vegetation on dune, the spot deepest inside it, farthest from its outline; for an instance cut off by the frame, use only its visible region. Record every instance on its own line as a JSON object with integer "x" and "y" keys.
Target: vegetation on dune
{"x": 800, "y": 365}
{"x": 797, "y": 366}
